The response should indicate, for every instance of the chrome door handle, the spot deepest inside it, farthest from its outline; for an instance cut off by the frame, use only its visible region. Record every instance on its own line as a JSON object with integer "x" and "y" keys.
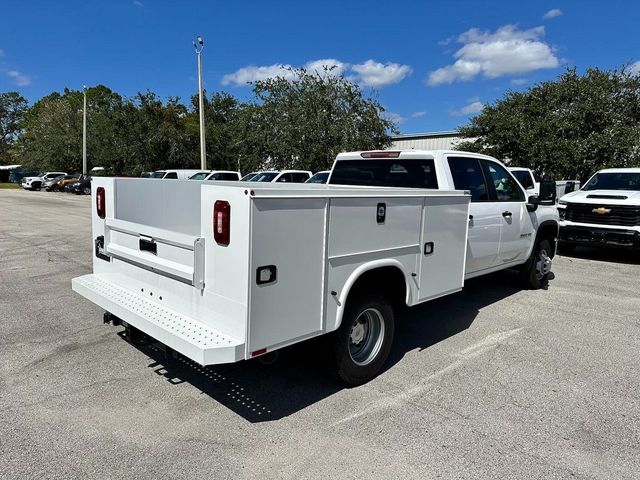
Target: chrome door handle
{"x": 506, "y": 214}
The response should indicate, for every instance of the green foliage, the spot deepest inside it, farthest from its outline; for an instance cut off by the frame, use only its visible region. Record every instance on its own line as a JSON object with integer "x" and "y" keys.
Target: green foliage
{"x": 305, "y": 121}
{"x": 567, "y": 128}
{"x": 302, "y": 123}
{"x": 13, "y": 107}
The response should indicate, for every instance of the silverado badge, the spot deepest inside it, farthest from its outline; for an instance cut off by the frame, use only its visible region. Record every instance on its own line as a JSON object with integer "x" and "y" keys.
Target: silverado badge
{"x": 601, "y": 210}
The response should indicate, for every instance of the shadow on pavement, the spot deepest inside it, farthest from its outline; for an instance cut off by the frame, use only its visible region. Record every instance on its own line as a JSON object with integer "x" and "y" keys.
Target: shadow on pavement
{"x": 606, "y": 254}
{"x": 260, "y": 392}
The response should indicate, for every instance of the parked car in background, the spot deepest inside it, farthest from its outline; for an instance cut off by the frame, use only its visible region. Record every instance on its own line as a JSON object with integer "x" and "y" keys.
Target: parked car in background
{"x": 146, "y": 174}
{"x": 566, "y": 186}
{"x": 248, "y": 177}
{"x": 65, "y": 183}
{"x": 604, "y": 212}
{"x": 527, "y": 179}
{"x": 178, "y": 174}
{"x": 320, "y": 177}
{"x": 227, "y": 175}
{"x": 48, "y": 184}
{"x": 82, "y": 187}
{"x": 285, "y": 176}
{"x": 35, "y": 183}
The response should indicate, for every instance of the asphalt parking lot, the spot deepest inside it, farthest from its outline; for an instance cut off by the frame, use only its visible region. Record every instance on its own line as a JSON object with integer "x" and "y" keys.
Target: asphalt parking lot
{"x": 493, "y": 382}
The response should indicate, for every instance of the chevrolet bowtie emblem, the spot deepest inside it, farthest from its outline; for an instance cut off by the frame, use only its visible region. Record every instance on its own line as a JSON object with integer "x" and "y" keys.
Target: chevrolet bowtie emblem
{"x": 601, "y": 210}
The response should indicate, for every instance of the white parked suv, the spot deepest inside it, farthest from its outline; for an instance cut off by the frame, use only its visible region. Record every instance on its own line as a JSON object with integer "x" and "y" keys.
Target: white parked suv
{"x": 526, "y": 178}
{"x": 227, "y": 175}
{"x": 178, "y": 174}
{"x": 35, "y": 183}
{"x": 285, "y": 176}
{"x": 604, "y": 212}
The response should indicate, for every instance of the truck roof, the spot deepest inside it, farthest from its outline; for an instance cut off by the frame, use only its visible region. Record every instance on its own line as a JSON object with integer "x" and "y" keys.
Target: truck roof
{"x": 405, "y": 154}
{"x": 620, "y": 170}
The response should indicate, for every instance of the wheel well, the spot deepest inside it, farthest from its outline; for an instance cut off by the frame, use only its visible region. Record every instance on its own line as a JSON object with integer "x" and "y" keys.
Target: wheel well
{"x": 388, "y": 281}
{"x": 548, "y": 231}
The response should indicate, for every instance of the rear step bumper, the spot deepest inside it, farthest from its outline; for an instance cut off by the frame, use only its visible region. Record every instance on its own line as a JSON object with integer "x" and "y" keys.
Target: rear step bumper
{"x": 191, "y": 338}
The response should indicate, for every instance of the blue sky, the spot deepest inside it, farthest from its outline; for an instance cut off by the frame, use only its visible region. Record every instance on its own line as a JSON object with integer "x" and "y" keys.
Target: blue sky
{"x": 431, "y": 64}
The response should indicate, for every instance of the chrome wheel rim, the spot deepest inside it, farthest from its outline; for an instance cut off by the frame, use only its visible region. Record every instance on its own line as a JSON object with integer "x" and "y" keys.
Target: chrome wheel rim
{"x": 543, "y": 264}
{"x": 366, "y": 336}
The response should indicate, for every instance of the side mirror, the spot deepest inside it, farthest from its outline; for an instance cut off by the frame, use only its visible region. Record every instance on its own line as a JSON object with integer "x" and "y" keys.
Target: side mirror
{"x": 548, "y": 193}
{"x": 532, "y": 203}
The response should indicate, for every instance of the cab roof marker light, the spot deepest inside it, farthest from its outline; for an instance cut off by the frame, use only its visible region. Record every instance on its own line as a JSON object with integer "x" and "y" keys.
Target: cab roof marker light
{"x": 381, "y": 154}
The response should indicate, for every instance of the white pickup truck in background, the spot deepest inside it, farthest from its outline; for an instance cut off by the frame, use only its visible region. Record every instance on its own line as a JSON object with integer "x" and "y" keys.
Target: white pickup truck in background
{"x": 604, "y": 212}
{"x": 227, "y": 271}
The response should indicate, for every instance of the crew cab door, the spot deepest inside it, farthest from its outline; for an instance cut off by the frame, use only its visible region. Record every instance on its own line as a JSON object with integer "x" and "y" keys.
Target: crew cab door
{"x": 508, "y": 199}
{"x": 485, "y": 217}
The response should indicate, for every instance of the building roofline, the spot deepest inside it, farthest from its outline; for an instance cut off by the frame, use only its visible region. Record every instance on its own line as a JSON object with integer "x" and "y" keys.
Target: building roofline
{"x": 445, "y": 133}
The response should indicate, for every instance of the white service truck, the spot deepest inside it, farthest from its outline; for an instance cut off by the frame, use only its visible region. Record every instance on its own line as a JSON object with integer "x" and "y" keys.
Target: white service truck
{"x": 227, "y": 271}
{"x": 605, "y": 212}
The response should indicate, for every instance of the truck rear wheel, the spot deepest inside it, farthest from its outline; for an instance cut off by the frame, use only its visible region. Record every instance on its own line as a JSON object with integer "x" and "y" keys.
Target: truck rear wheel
{"x": 362, "y": 344}
{"x": 536, "y": 275}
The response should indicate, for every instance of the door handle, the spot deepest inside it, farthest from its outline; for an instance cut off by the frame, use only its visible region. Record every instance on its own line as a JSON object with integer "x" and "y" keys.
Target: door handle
{"x": 506, "y": 214}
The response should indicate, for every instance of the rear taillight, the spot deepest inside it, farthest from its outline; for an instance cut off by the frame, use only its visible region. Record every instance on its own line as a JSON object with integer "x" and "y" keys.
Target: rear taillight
{"x": 222, "y": 222}
{"x": 100, "y": 202}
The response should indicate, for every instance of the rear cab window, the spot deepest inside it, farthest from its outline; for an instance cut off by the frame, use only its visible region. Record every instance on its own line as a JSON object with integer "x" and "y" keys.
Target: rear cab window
{"x": 396, "y": 172}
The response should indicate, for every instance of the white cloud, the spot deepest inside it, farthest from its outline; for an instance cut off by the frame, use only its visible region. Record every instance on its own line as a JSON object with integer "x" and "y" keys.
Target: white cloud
{"x": 376, "y": 74}
{"x": 507, "y": 51}
{"x": 251, "y": 73}
{"x": 553, "y": 13}
{"x": 634, "y": 68}
{"x": 519, "y": 81}
{"x": 369, "y": 73}
{"x": 395, "y": 117}
{"x": 18, "y": 78}
{"x": 475, "y": 106}
{"x": 138, "y": 3}
{"x": 418, "y": 114}
{"x": 333, "y": 66}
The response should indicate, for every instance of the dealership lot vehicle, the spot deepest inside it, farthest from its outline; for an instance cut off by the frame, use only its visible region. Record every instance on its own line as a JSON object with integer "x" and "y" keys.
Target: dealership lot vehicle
{"x": 173, "y": 174}
{"x": 283, "y": 176}
{"x": 605, "y": 212}
{"x": 227, "y": 175}
{"x": 320, "y": 177}
{"x": 214, "y": 272}
{"x": 36, "y": 182}
{"x": 494, "y": 382}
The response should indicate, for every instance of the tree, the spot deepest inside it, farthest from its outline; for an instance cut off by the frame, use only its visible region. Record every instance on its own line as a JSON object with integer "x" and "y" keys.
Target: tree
{"x": 13, "y": 108}
{"x": 305, "y": 121}
{"x": 567, "y": 128}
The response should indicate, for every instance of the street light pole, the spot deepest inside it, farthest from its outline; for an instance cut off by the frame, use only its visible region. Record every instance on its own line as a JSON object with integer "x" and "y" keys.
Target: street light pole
{"x": 203, "y": 147}
{"x": 84, "y": 132}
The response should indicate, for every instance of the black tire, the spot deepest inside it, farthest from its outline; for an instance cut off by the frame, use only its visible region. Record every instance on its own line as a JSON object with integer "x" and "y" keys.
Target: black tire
{"x": 86, "y": 191}
{"x": 37, "y": 187}
{"x": 536, "y": 274}
{"x": 369, "y": 319}
{"x": 566, "y": 248}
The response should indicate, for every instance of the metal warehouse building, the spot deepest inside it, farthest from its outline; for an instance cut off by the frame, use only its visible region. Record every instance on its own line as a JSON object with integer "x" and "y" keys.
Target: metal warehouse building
{"x": 426, "y": 141}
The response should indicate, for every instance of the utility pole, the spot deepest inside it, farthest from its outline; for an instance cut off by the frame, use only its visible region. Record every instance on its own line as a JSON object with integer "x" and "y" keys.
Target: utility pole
{"x": 84, "y": 132}
{"x": 203, "y": 147}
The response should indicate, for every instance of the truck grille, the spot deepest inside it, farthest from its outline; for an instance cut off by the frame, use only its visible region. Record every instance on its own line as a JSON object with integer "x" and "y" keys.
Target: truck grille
{"x": 622, "y": 215}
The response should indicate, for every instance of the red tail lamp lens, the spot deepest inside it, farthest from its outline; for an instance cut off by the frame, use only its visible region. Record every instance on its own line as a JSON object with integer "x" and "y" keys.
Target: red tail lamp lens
{"x": 100, "y": 202}
{"x": 222, "y": 222}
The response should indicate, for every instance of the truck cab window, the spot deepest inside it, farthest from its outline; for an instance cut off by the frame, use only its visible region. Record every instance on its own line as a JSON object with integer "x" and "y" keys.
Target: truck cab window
{"x": 404, "y": 173}
{"x": 467, "y": 175}
{"x": 506, "y": 188}
{"x": 173, "y": 175}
